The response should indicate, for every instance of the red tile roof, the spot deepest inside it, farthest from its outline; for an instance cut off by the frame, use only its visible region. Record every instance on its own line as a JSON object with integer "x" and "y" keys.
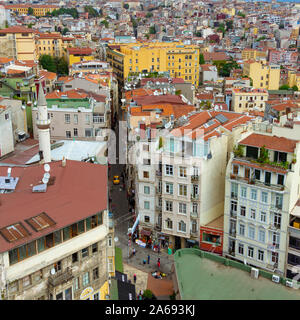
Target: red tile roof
{"x": 16, "y": 29}
{"x": 76, "y": 197}
{"x": 270, "y": 142}
{"x": 71, "y": 94}
{"x": 85, "y": 51}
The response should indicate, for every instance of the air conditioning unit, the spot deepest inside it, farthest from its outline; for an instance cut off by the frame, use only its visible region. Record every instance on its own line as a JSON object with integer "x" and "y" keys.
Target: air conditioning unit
{"x": 289, "y": 283}
{"x": 275, "y": 278}
{"x": 254, "y": 273}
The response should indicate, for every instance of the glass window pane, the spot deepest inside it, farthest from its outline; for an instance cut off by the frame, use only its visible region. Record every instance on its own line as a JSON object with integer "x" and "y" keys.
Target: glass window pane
{"x": 66, "y": 232}
{"x": 49, "y": 241}
{"x": 100, "y": 218}
{"x": 94, "y": 221}
{"x": 41, "y": 244}
{"x": 13, "y": 256}
{"x": 81, "y": 226}
{"x": 88, "y": 224}
{"x": 74, "y": 231}
{"x": 31, "y": 249}
{"x": 57, "y": 237}
{"x": 22, "y": 252}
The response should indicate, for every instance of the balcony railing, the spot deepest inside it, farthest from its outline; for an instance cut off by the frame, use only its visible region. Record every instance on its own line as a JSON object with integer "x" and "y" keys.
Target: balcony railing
{"x": 157, "y": 227}
{"x": 194, "y": 214}
{"x": 194, "y": 233}
{"x": 232, "y": 232}
{"x": 60, "y": 277}
{"x": 158, "y": 209}
{"x": 234, "y": 195}
{"x": 195, "y": 178}
{"x": 258, "y": 183}
{"x": 194, "y": 196}
{"x": 158, "y": 191}
{"x": 233, "y": 214}
{"x": 274, "y": 226}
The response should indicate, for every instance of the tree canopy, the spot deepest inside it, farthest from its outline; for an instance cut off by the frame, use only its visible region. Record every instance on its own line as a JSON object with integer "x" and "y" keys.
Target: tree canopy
{"x": 30, "y": 11}
{"x": 71, "y": 11}
{"x": 93, "y": 13}
{"x": 57, "y": 65}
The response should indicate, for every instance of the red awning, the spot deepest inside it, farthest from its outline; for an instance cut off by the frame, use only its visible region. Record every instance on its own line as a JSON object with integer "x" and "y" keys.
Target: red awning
{"x": 145, "y": 233}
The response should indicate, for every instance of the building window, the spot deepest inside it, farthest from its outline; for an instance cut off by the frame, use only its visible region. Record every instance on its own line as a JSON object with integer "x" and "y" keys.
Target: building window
{"x": 67, "y": 118}
{"x": 146, "y": 174}
{"x": 251, "y": 232}
{"x": 182, "y": 190}
{"x": 195, "y": 207}
{"x": 76, "y": 284}
{"x": 250, "y": 252}
{"x": 75, "y": 118}
{"x": 85, "y": 252}
{"x": 68, "y": 134}
{"x": 260, "y": 255}
{"x": 253, "y": 194}
{"x": 261, "y": 235}
{"x": 182, "y": 172}
{"x": 263, "y": 217}
{"x": 85, "y": 279}
{"x": 26, "y": 281}
{"x": 147, "y": 205}
{"x": 243, "y": 211}
{"x": 169, "y": 206}
{"x": 147, "y": 219}
{"x": 110, "y": 241}
{"x": 241, "y": 249}
{"x": 182, "y": 226}
{"x": 146, "y": 162}
{"x": 182, "y": 208}
{"x": 169, "y": 170}
{"x": 74, "y": 257}
{"x": 14, "y": 287}
{"x": 146, "y": 190}
{"x": 243, "y": 192}
{"x": 75, "y": 132}
{"x": 169, "y": 188}
{"x": 88, "y": 133}
{"x": 264, "y": 197}
{"x": 59, "y": 296}
{"x": 95, "y": 247}
{"x": 242, "y": 229}
{"x": 235, "y": 169}
{"x": 280, "y": 179}
{"x": 252, "y": 214}
{"x": 95, "y": 273}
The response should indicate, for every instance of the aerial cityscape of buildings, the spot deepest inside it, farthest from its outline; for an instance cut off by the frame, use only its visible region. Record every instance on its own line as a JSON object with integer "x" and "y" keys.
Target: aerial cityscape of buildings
{"x": 149, "y": 148}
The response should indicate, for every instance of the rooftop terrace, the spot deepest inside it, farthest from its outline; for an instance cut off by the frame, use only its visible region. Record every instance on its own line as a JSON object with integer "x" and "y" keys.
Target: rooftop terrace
{"x": 209, "y": 278}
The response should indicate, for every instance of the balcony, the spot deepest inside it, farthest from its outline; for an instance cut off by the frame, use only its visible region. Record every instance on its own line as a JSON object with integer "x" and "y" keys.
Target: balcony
{"x": 194, "y": 233}
{"x": 233, "y": 214}
{"x": 231, "y": 252}
{"x": 157, "y": 227}
{"x": 274, "y": 226}
{"x": 194, "y": 197}
{"x": 158, "y": 190}
{"x": 60, "y": 277}
{"x": 194, "y": 214}
{"x": 272, "y": 266}
{"x": 234, "y": 195}
{"x": 294, "y": 228}
{"x": 232, "y": 232}
{"x": 158, "y": 209}
{"x": 273, "y": 246}
{"x": 195, "y": 178}
{"x": 158, "y": 173}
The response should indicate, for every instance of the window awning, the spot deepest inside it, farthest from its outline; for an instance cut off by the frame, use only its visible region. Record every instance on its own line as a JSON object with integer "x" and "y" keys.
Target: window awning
{"x": 146, "y": 233}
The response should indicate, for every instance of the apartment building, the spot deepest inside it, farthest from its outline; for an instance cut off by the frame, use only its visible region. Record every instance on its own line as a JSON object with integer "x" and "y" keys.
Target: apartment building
{"x": 38, "y": 10}
{"x": 252, "y": 54}
{"x": 262, "y": 187}
{"x": 55, "y": 250}
{"x": 6, "y": 129}
{"x": 247, "y": 99}
{"x": 294, "y": 78}
{"x": 18, "y": 42}
{"x": 50, "y": 44}
{"x": 79, "y": 54}
{"x": 179, "y": 184}
{"x": 76, "y": 114}
{"x": 263, "y": 75}
{"x": 91, "y": 66}
{"x": 181, "y": 61}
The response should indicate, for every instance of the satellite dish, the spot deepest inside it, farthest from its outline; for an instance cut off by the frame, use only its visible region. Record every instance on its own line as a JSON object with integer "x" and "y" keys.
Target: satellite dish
{"x": 52, "y": 271}
{"x": 47, "y": 175}
{"x": 46, "y": 167}
{"x": 45, "y": 180}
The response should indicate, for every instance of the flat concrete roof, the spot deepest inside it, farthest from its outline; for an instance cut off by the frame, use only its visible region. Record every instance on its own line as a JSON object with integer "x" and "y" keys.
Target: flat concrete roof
{"x": 200, "y": 278}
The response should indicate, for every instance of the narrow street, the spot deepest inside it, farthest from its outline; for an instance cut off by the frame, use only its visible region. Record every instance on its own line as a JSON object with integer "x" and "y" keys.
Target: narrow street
{"x": 123, "y": 219}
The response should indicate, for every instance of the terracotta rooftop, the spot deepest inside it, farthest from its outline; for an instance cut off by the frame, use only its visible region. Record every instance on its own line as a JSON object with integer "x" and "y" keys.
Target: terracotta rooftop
{"x": 70, "y": 94}
{"x": 76, "y": 197}
{"x": 85, "y": 51}
{"x": 5, "y": 60}
{"x": 270, "y": 142}
{"x": 16, "y": 29}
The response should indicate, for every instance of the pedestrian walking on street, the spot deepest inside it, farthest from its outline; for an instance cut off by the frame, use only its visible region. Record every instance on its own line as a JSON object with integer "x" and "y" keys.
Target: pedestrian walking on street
{"x": 134, "y": 278}
{"x": 158, "y": 263}
{"x": 133, "y": 251}
{"x": 148, "y": 259}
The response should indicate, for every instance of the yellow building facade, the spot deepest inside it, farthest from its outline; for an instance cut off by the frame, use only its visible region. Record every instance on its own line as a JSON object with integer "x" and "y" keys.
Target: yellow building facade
{"x": 252, "y": 54}
{"x": 18, "y": 43}
{"x": 263, "y": 75}
{"x": 246, "y": 99}
{"x": 181, "y": 61}
{"x": 49, "y": 43}
{"x": 75, "y": 55}
{"x": 294, "y": 79}
{"x": 229, "y": 11}
{"x": 38, "y": 10}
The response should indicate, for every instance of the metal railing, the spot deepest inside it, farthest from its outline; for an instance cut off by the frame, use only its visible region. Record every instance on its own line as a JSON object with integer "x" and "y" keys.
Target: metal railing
{"x": 60, "y": 277}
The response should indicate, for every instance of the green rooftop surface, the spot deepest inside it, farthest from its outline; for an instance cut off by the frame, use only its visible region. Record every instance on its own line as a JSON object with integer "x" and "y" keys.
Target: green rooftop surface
{"x": 200, "y": 278}
{"x": 118, "y": 259}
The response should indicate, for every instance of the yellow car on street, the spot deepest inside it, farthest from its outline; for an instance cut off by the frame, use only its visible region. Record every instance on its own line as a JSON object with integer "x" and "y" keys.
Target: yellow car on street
{"x": 116, "y": 180}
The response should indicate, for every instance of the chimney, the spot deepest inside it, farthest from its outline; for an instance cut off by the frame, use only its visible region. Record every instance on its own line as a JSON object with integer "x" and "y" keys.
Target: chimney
{"x": 63, "y": 162}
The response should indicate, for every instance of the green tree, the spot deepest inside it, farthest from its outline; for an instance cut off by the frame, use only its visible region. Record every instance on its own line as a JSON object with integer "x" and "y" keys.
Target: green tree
{"x": 29, "y": 25}
{"x": 201, "y": 58}
{"x": 229, "y": 24}
{"x": 294, "y": 88}
{"x": 148, "y": 294}
{"x": 126, "y": 6}
{"x": 62, "y": 67}
{"x": 65, "y": 30}
{"x": 241, "y": 14}
{"x": 105, "y": 22}
{"x": 93, "y": 13}
{"x": 30, "y": 11}
{"x": 221, "y": 28}
{"x": 198, "y": 34}
{"x": 149, "y": 15}
{"x": 47, "y": 62}
{"x": 284, "y": 87}
{"x": 152, "y": 30}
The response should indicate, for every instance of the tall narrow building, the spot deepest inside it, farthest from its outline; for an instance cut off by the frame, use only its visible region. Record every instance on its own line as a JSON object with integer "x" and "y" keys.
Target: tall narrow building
{"x": 43, "y": 125}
